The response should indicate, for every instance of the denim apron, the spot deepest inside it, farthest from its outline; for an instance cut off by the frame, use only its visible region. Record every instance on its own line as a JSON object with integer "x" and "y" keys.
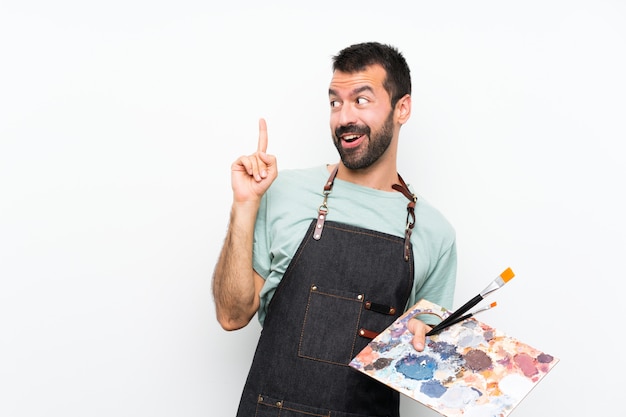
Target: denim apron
{"x": 343, "y": 286}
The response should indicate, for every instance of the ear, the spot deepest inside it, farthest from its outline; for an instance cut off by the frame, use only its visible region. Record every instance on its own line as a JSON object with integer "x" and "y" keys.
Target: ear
{"x": 403, "y": 109}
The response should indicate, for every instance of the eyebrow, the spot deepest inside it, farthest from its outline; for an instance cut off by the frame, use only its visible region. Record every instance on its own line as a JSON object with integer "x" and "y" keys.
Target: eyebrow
{"x": 354, "y": 92}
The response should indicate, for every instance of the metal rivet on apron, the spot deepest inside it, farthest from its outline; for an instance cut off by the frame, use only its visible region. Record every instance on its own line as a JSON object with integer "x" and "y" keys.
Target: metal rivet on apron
{"x": 359, "y": 297}
{"x": 279, "y": 404}
{"x": 260, "y": 399}
{"x": 313, "y": 287}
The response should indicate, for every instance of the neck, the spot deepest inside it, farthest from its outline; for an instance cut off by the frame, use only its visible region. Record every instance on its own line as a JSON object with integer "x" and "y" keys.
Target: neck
{"x": 377, "y": 177}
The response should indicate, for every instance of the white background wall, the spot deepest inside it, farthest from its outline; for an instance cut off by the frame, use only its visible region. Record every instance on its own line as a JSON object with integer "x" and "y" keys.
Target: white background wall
{"x": 118, "y": 124}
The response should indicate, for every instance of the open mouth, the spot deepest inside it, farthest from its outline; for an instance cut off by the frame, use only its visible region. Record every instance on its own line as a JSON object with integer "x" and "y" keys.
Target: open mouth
{"x": 350, "y": 138}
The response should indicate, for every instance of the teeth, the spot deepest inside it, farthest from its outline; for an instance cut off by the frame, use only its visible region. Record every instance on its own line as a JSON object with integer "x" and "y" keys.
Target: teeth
{"x": 350, "y": 137}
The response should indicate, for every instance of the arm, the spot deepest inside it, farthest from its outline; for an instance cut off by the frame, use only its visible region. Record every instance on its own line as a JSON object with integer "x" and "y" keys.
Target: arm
{"x": 236, "y": 285}
{"x": 439, "y": 287}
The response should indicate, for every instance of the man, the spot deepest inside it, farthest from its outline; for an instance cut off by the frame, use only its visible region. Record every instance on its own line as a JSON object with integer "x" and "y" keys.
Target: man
{"x": 330, "y": 256}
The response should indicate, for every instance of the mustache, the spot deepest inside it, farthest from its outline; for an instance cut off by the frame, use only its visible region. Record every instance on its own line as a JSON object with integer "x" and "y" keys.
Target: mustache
{"x": 356, "y": 129}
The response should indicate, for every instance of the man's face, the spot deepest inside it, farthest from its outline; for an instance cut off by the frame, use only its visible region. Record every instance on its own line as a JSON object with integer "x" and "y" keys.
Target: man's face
{"x": 361, "y": 118}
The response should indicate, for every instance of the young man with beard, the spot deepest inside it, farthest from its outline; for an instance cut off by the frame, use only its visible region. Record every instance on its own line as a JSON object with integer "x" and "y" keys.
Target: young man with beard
{"x": 331, "y": 255}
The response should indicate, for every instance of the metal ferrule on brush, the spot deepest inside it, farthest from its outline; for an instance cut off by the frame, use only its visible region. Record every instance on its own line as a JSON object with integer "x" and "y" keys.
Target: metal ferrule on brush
{"x": 495, "y": 284}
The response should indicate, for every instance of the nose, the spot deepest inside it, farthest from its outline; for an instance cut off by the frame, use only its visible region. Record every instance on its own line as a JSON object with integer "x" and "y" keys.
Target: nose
{"x": 346, "y": 115}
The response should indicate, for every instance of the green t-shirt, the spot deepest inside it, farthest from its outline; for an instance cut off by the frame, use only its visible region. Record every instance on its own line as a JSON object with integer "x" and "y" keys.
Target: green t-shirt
{"x": 292, "y": 202}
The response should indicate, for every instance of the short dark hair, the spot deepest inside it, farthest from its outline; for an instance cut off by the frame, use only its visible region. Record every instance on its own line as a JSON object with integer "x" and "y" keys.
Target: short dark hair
{"x": 359, "y": 56}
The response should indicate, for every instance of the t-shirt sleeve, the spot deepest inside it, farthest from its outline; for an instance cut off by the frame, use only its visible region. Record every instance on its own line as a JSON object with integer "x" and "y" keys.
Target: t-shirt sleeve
{"x": 440, "y": 283}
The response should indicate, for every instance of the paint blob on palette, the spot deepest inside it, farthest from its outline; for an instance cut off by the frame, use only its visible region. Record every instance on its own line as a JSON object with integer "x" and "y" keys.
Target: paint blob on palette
{"x": 469, "y": 369}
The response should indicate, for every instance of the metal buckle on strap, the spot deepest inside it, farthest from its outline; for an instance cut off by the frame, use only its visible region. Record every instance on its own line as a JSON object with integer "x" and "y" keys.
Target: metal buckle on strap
{"x": 323, "y": 209}
{"x": 321, "y": 217}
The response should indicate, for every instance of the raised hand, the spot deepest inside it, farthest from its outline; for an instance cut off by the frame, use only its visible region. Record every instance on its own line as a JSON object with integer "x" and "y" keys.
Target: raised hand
{"x": 252, "y": 175}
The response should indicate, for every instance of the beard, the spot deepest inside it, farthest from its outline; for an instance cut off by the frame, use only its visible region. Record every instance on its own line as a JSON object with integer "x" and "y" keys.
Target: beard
{"x": 370, "y": 151}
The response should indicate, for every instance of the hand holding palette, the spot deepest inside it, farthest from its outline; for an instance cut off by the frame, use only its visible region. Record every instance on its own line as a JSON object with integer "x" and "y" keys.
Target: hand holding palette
{"x": 469, "y": 369}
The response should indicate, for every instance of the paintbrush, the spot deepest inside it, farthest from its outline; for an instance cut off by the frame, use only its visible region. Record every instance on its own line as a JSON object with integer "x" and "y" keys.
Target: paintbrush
{"x": 467, "y": 316}
{"x": 497, "y": 283}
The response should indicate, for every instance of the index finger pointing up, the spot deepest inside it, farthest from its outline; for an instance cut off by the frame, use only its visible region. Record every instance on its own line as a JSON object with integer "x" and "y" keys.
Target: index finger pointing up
{"x": 262, "y": 147}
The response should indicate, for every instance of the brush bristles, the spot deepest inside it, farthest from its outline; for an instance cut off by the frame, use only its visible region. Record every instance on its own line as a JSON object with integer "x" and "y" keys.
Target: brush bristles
{"x": 507, "y": 275}
{"x": 492, "y": 305}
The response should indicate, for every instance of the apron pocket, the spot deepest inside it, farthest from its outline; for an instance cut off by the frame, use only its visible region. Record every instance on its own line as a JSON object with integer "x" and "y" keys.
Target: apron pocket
{"x": 330, "y": 325}
{"x": 272, "y": 407}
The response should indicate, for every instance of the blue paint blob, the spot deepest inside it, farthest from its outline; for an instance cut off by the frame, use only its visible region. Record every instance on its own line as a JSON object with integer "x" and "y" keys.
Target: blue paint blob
{"x": 488, "y": 335}
{"x": 379, "y": 364}
{"x": 420, "y": 367}
{"x": 445, "y": 350}
{"x": 477, "y": 391}
{"x": 433, "y": 389}
{"x": 384, "y": 347}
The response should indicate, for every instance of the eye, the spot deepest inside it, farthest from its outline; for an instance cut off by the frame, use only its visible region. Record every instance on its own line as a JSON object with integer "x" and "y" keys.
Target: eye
{"x": 362, "y": 100}
{"x": 334, "y": 103}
